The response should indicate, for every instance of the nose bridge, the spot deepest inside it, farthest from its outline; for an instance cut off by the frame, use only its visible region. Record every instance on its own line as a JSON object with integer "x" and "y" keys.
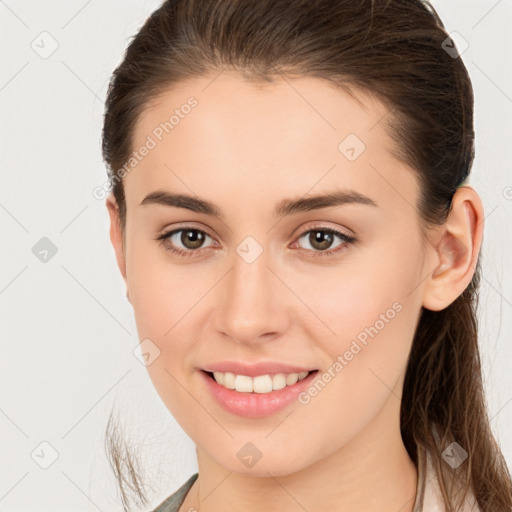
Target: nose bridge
{"x": 250, "y": 306}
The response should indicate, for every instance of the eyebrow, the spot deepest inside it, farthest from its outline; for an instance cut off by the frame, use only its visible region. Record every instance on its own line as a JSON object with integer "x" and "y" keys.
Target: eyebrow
{"x": 283, "y": 208}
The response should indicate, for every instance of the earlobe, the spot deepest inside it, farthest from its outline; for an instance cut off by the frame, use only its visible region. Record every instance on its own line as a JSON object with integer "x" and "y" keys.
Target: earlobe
{"x": 456, "y": 252}
{"x": 116, "y": 236}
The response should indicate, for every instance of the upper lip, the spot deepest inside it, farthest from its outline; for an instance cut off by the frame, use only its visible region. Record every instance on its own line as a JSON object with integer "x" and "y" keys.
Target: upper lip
{"x": 255, "y": 369}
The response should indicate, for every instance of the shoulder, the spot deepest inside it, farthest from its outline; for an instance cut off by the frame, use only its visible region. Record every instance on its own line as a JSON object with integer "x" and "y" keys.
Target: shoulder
{"x": 174, "y": 501}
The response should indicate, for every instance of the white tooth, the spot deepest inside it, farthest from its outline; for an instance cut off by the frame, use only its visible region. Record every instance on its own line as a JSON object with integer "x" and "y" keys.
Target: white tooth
{"x": 219, "y": 377}
{"x": 292, "y": 378}
{"x": 262, "y": 384}
{"x": 279, "y": 381}
{"x": 229, "y": 380}
{"x": 243, "y": 383}
{"x": 259, "y": 384}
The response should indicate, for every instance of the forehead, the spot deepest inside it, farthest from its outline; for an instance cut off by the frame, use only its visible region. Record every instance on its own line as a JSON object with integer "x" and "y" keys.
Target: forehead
{"x": 222, "y": 133}
{"x": 310, "y": 108}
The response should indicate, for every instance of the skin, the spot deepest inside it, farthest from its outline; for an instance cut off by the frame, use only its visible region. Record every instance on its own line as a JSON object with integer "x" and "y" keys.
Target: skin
{"x": 246, "y": 147}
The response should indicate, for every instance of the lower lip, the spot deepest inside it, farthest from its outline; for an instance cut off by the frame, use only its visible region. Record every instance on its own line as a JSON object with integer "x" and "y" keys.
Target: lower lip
{"x": 255, "y": 405}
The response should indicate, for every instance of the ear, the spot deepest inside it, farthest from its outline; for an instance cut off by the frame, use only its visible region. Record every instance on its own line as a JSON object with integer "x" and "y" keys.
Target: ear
{"x": 455, "y": 252}
{"x": 116, "y": 236}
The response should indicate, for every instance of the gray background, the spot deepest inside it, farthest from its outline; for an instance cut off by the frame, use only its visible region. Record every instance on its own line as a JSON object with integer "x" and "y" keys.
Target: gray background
{"x": 68, "y": 333}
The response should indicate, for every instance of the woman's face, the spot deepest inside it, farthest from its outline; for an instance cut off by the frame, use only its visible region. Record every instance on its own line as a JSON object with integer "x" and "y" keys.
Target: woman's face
{"x": 256, "y": 285}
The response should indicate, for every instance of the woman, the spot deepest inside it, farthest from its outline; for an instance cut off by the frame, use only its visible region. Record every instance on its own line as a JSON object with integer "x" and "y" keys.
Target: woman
{"x": 291, "y": 217}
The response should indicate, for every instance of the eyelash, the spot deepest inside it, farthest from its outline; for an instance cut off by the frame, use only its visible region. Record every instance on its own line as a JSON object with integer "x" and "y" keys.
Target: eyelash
{"x": 346, "y": 239}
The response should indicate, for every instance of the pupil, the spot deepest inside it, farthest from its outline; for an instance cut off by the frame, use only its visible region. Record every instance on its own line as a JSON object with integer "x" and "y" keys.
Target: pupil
{"x": 317, "y": 236}
{"x": 194, "y": 237}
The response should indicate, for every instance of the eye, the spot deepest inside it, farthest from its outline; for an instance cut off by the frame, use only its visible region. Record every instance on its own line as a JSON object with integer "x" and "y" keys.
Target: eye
{"x": 191, "y": 238}
{"x": 321, "y": 239}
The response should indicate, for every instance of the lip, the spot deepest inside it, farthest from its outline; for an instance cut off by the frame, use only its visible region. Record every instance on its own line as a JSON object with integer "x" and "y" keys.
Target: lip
{"x": 255, "y": 405}
{"x": 253, "y": 370}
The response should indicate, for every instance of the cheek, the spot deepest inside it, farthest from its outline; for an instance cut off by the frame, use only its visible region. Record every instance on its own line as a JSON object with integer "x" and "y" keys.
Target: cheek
{"x": 161, "y": 292}
{"x": 365, "y": 290}
{"x": 371, "y": 312}
{"x": 163, "y": 297}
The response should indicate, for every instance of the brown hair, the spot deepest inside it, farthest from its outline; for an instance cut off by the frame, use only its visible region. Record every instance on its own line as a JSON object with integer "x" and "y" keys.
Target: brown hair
{"x": 394, "y": 49}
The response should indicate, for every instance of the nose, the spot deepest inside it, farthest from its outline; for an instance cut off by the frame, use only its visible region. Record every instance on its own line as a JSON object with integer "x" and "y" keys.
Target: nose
{"x": 252, "y": 302}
